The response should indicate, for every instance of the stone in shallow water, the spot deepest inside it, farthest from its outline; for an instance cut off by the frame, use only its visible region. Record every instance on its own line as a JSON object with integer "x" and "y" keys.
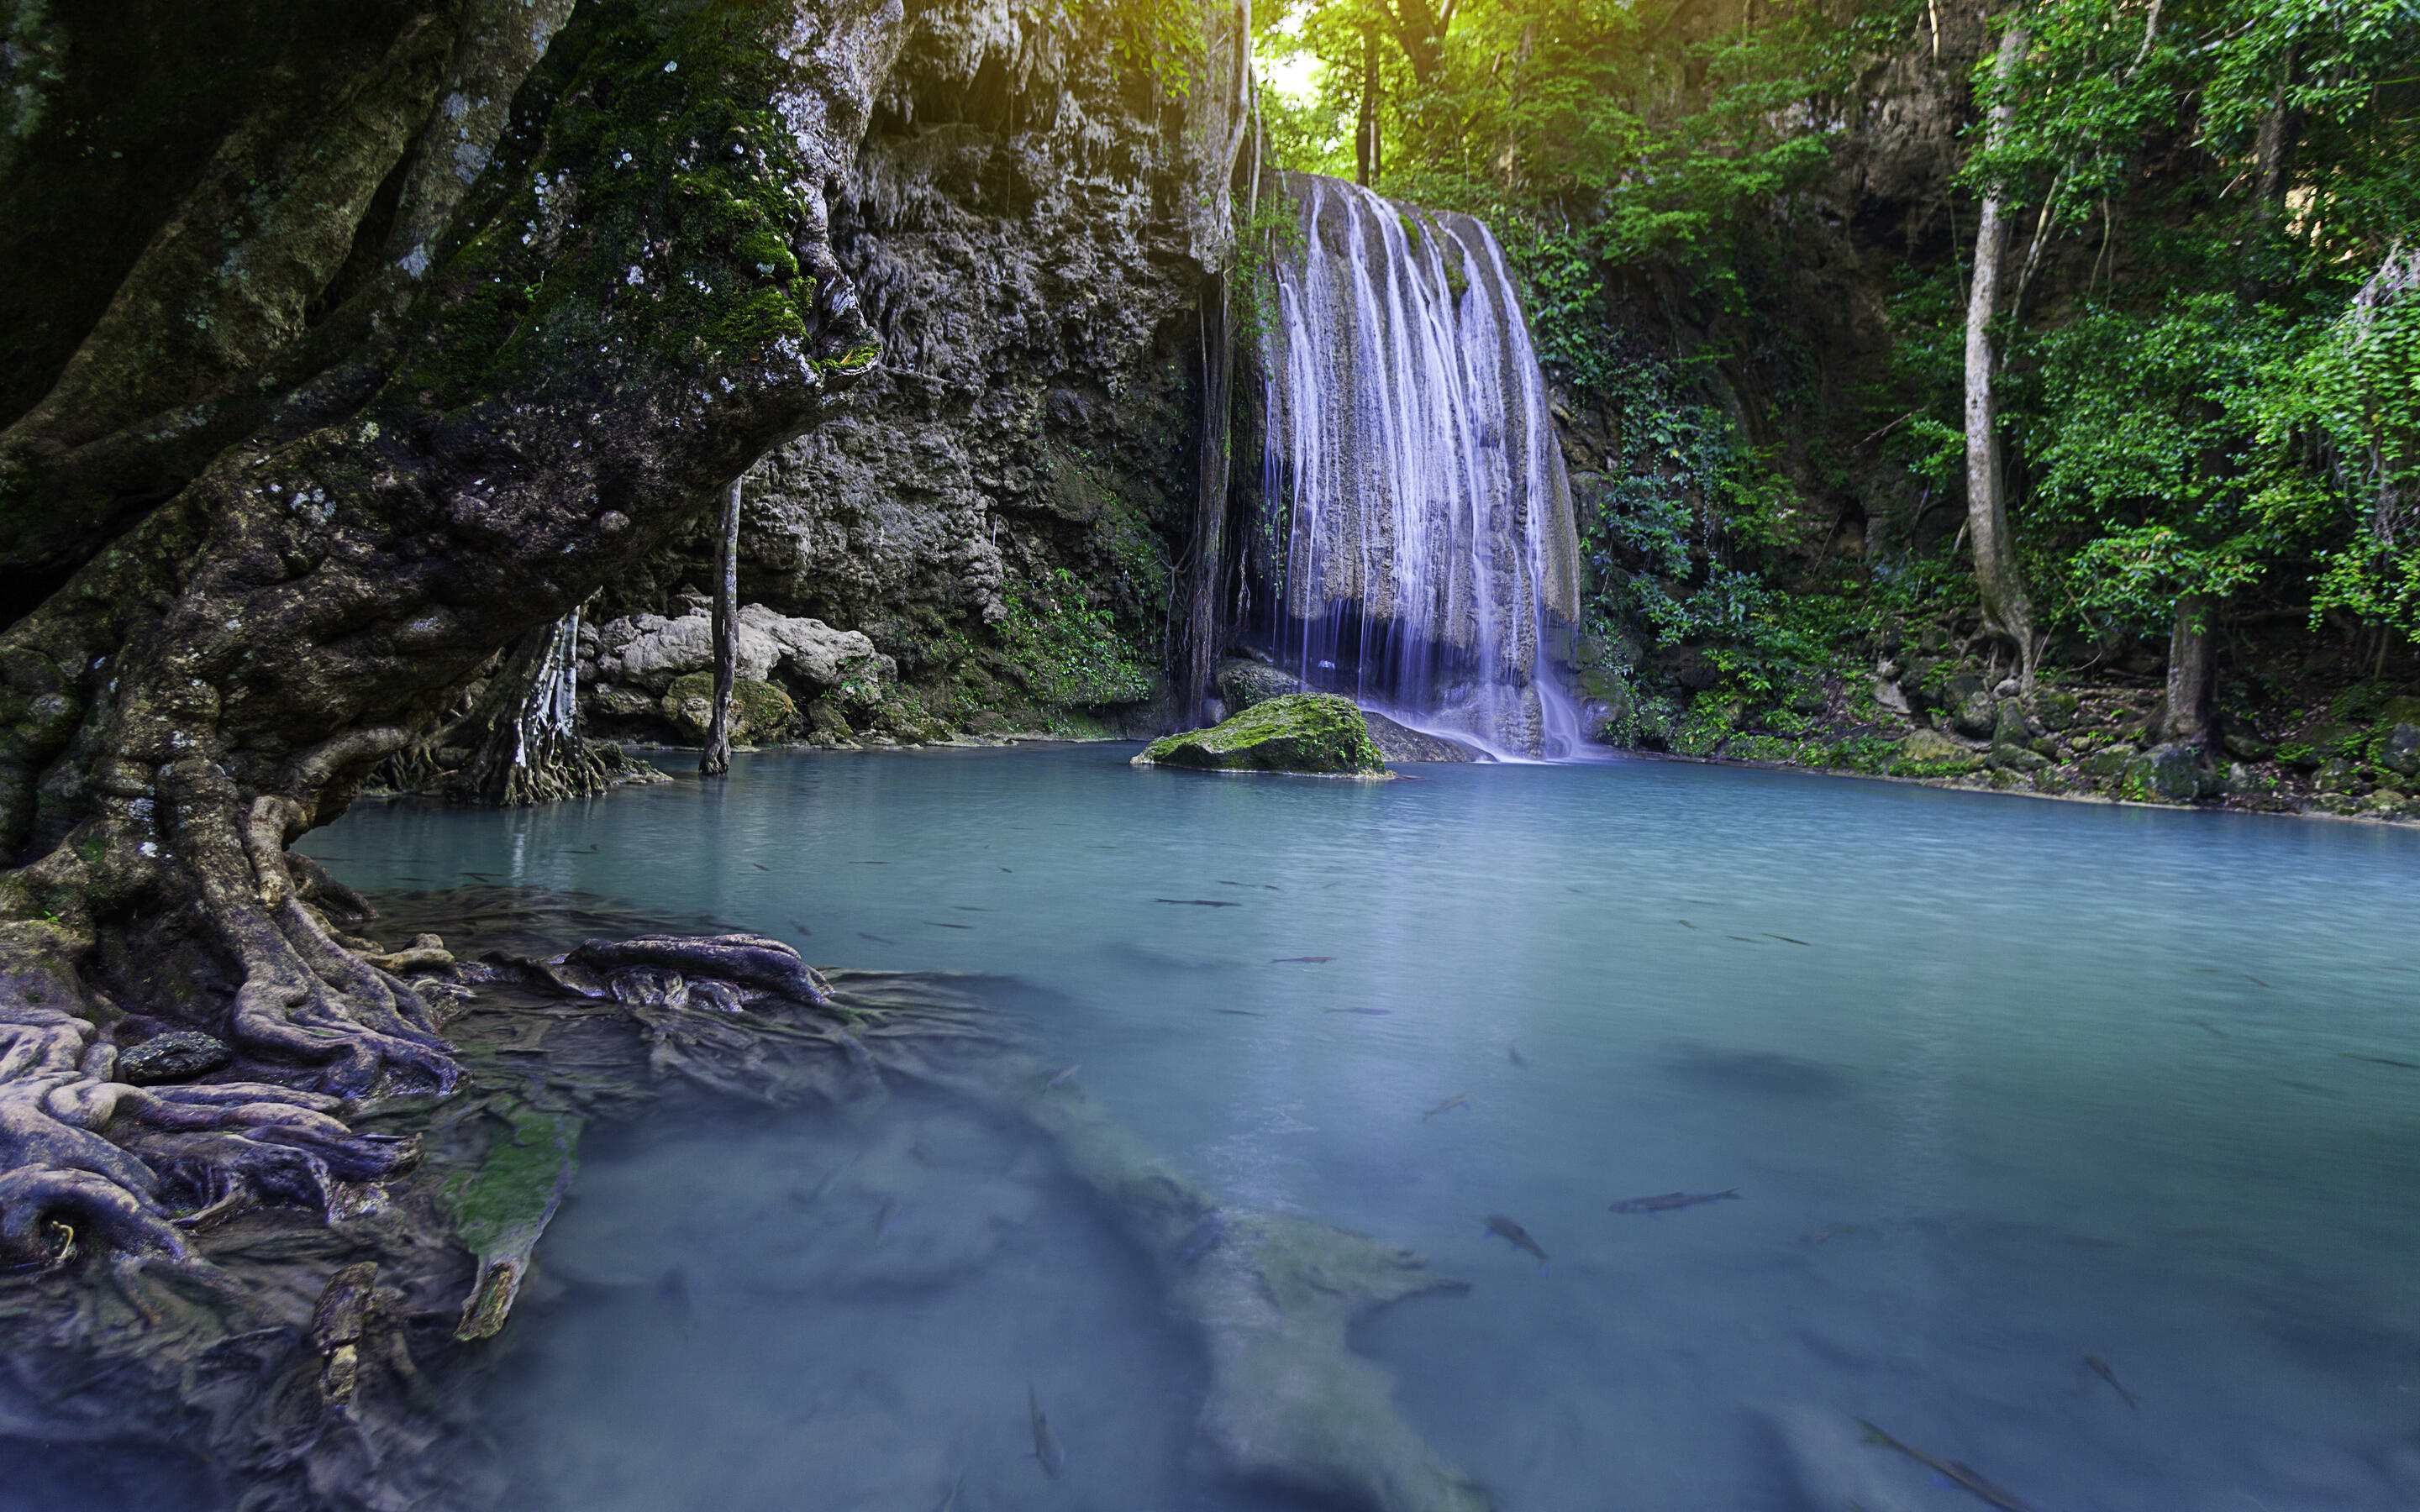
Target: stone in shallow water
{"x": 1401, "y": 743}
{"x": 179, "y": 1055}
{"x": 1319, "y": 734}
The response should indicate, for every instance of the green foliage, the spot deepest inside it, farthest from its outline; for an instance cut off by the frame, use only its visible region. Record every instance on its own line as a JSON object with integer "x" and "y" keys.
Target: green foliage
{"x": 1066, "y": 652}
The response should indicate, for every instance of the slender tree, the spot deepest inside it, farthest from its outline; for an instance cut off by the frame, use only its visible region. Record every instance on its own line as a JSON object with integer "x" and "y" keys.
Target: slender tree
{"x": 716, "y": 759}
{"x": 2008, "y": 611}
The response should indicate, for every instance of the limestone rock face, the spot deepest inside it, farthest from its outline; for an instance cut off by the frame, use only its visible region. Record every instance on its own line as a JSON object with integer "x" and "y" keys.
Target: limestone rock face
{"x": 1032, "y": 240}
{"x": 1318, "y": 735}
{"x": 650, "y": 652}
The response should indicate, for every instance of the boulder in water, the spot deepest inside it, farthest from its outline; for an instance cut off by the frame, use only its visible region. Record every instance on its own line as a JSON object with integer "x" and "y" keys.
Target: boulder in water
{"x": 1399, "y": 742}
{"x": 1317, "y": 734}
{"x": 1243, "y": 684}
{"x": 759, "y": 711}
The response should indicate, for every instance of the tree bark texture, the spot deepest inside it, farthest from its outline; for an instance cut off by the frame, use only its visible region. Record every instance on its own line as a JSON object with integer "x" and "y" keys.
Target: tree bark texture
{"x": 2188, "y": 702}
{"x": 530, "y": 746}
{"x": 716, "y": 759}
{"x": 2007, "y": 608}
{"x": 472, "y": 313}
{"x": 1366, "y": 164}
{"x": 1198, "y": 649}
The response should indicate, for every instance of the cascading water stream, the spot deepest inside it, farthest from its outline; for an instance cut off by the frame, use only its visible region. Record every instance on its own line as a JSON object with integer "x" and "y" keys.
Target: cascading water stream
{"x": 1426, "y": 562}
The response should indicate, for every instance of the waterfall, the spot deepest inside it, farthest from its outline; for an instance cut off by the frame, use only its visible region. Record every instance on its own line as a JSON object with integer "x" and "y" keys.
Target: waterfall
{"x": 1421, "y": 555}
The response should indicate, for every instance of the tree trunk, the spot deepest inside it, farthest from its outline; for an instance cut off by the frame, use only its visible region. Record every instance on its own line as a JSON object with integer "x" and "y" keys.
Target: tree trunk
{"x": 2006, "y": 609}
{"x": 1366, "y": 166}
{"x": 2188, "y": 718}
{"x": 527, "y": 725}
{"x": 2273, "y": 146}
{"x": 716, "y": 761}
{"x": 1198, "y": 651}
{"x": 290, "y": 548}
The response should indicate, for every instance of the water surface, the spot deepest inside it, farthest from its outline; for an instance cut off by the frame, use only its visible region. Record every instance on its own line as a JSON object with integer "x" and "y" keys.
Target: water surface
{"x": 2001, "y": 1084}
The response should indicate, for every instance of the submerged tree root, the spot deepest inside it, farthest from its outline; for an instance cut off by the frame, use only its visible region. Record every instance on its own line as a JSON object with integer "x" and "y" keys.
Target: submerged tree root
{"x": 319, "y": 1334}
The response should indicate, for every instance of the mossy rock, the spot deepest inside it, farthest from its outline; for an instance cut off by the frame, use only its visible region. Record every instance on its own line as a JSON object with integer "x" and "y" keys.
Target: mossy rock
{"x": 1244, "y": 683}
{"x": 759, "y": 711}
{"x": 1930, "y": 753}
{"x": 1316, "y": 735}
{"x": 2165, "y": 774}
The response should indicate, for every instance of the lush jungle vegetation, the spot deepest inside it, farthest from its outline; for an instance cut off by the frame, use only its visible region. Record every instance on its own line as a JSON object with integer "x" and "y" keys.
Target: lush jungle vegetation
{"x": 1776, "y": 250}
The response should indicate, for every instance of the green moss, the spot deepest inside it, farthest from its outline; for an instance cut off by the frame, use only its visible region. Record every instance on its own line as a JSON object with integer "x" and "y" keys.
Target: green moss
{"x": 518, "y": 1183}
{"x": 1068, "y": 652}
{"x": 1763, "y": 748}
{"x": 759, "y": 711}
{"x": 1313, "y": 733}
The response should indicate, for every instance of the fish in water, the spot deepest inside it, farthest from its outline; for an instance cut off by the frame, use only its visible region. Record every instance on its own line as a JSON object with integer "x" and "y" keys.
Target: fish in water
{"x": 1300, "y": 960}
{"x": 1685, "y": 923}
{"x": 1518, "y": 1237}
{"x": 2379, "y": 1060}
{"x": 1239, "y": 1013}
{"x": 1446, "y": 1106}
{"x": 1513, "y": 1051}
{"x": 869, "y": 863}
{"x": 2101, "y": 1368}
{"x": 876, "y": 938}
{"x": 2204, "y": 1023}
{"x": 1061, "y": 1078}
{"x": 1262, "y": 885}
{"x": 1010, "y": 870}
{"x": 1783, "y": 938}
{"x": 800, "y": 926}
{"x": 1373, "y": 1013}
{"x": 672, "y": 1294}
{"x": 479, "y": 876}
{"x": 969, "y": 908}
{"x": 2253, "y": 980}
{"x": 1741, "y": 939}
{"x": 760, "y": 866}
{"x": 1670, "y": 1201}
{"x": 1046, "y": 1443}
{"x": 1203, "y": 1239}
{"x": 938, "y": 924}
{"x": 1949, "y": 1467}
{"x": 1197, "y": 902}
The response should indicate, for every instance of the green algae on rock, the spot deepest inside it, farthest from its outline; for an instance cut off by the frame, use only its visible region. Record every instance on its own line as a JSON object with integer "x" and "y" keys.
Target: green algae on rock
{"x": 1314, "y": 734}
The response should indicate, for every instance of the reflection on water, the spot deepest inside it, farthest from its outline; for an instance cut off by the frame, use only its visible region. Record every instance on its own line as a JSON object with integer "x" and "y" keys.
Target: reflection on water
{"x": 2002, "y": 1085}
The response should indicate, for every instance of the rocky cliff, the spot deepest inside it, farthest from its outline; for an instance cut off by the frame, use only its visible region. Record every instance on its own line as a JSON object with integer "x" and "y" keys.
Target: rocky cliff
{"x": 1032, "y": 223}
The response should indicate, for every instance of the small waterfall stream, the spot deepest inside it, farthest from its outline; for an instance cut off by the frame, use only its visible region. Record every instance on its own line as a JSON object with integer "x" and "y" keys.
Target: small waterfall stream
{"x": 1422, "y": 554}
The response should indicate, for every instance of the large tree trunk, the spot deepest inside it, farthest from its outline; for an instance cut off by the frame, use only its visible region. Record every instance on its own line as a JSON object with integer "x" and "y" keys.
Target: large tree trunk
{"x": 2007, "y": 608}
{"x": 472, "y": 366}
{"x": 1198, "y": 648}
{"x": 716, "y": 761}
{"x": 527, "y": 725}
{"x": 2188, "y": 719}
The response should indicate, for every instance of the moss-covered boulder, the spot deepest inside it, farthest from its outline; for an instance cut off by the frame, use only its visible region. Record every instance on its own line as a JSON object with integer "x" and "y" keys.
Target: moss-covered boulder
{"x": 1319, "y": 734}
{"x": 1243, "y": 684}
{"x": 759, "y": 711}
{"x": 1930, "y": 753}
